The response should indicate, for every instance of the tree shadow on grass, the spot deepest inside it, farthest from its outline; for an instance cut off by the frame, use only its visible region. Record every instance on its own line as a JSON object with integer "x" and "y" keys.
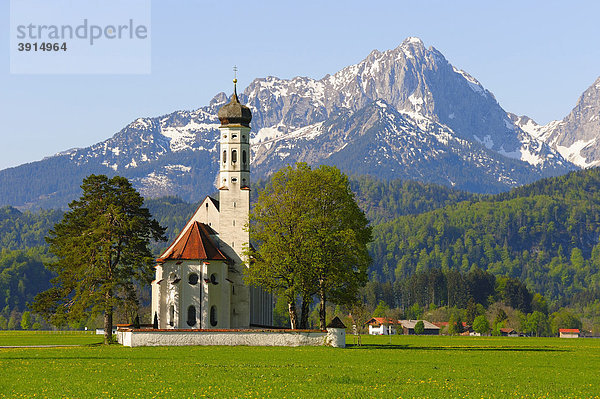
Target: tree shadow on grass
{"x": 459, "y": 348}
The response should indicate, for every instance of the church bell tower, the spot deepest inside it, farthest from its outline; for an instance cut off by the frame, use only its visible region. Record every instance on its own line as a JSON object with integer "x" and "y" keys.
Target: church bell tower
{"x": 234, "y": 206}
{"x": 234, "y": 172}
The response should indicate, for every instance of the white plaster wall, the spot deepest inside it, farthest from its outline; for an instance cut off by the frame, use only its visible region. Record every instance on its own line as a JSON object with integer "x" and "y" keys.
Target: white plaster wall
{"x": 208, "y": 214}
{"x": 202, "y": 296}
{"x": 156, "y": 292}
{"x": 569, "y": 335}
{"x": 234, "y": 338}
{"x": 190, "y": 294}
{"x": 336, "y": 337}
{"x": 234, "y": 207}
{"x": 376, "y": 330}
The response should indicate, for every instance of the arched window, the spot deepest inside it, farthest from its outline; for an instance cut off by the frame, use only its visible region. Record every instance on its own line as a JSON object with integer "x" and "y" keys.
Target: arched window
{"x": 172, "y": 315}
{"x": 233, "y": 156}
{"x": 213, "y": 279}
{"x": 193, "y": 279}
{"x": 213, "y": 316}
{"x": 224, "y": 156}
{"x": 244, "y": 157}
{"x": 191, "y": 319}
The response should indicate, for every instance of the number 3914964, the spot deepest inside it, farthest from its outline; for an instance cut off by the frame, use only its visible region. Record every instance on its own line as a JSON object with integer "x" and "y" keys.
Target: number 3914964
{"x": 44, "y": 46}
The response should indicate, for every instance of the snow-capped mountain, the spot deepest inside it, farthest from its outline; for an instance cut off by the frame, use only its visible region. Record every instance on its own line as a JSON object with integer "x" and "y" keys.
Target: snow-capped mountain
{"x": 577, "y": 136}
{"x": 405, "y": 112}
{"x": 412, "y": 79}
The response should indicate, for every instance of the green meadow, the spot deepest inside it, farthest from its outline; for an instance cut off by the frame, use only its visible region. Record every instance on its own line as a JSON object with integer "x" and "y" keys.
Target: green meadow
{"x": 404, "y": 367}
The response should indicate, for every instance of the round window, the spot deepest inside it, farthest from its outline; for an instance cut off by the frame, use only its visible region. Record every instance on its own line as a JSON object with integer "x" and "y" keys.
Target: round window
{"x": 193, "y": 279}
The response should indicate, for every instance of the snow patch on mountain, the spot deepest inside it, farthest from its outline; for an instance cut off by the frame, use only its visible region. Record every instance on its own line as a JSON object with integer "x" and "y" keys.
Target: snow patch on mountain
{"x": 267, "y": 134}
{"x": 573, "y": 153}
{"x": 180, "y": 168}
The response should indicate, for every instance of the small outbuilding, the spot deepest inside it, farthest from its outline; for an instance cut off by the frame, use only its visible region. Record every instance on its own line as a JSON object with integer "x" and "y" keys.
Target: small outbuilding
{"x": 508, "y": 332}
{"x": 569, "y": 333}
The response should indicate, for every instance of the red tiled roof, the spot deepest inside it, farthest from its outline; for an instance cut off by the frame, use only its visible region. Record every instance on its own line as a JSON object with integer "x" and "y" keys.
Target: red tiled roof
{"x": 194, "y": 243}
{"x": 569, "y": 330}
{"x": 381, "y": 320}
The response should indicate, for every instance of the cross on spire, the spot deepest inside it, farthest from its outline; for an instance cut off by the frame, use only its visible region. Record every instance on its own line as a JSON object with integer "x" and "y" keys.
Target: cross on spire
{"x": 235, "y": 80}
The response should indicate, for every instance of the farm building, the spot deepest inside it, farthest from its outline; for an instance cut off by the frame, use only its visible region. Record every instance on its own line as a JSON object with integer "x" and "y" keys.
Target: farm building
{"x": 569, "y": 333}
{"x": 408, "y": 327}
{"x": 508, "y": 332}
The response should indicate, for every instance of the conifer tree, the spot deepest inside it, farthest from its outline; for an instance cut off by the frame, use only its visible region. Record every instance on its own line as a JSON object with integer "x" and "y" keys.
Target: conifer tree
{"x": 101, "y": 249}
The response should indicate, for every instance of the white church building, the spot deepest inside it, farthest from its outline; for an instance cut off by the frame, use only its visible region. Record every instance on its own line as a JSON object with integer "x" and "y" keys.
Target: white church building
{"x": 199, "y": 278}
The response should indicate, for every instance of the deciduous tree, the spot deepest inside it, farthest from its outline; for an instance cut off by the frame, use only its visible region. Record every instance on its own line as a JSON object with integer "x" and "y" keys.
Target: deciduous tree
{"x": 26, "y": 320}
{"x": 310, "y": 237}
{"x": 481, "y": 325}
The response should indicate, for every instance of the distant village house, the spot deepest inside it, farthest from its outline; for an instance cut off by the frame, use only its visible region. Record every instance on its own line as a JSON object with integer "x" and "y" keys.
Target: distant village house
{"x": 569, "y": 333}
{"x": 382, "y": 326}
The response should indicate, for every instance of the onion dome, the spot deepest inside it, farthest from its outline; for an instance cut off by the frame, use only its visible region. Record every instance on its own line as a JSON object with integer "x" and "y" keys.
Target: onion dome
{"x": 235, "y": 113}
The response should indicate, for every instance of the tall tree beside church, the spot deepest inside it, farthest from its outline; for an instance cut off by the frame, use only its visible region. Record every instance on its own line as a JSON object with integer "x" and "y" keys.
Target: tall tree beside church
{"x": 310, "y": 237}
{"x": 340, "y": 234}
{"x": 279, "y": 229}
{"x": 102, "y": 251}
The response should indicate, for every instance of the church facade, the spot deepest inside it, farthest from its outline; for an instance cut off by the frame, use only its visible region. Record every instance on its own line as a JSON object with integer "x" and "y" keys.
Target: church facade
{"x": 199, "y": 278}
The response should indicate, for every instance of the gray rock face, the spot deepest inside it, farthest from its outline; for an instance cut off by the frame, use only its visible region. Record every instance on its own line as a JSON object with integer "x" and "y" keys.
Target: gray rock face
{"x": 381, "y": 141}
{"x": 577, "y": 136}
{"x": 405, "y": 113}
{"x": 412, "y": 79}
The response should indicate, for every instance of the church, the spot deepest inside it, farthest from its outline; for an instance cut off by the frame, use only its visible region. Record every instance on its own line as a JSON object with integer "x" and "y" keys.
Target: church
{"x": 199, "y": 278}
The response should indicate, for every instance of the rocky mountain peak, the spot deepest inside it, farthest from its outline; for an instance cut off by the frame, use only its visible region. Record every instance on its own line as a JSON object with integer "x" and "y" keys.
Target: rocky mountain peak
{"x": 577, "y": 136}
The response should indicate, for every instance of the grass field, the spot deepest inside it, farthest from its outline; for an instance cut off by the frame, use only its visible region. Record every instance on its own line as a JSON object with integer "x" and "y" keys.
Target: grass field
{"x": 30, "y": 338}
{"x": 409, "y": 367}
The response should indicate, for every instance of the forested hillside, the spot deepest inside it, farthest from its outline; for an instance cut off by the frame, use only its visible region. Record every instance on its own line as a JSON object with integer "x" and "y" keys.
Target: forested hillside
{"x": 545, "y": 234}
{"x": 23, "y": 251}
{"x": 23, "y": 230}
{"x": 384, "y": 200}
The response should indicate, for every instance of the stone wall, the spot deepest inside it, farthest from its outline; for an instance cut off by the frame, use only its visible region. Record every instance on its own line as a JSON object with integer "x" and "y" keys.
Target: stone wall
{"x": 335, "y": 337}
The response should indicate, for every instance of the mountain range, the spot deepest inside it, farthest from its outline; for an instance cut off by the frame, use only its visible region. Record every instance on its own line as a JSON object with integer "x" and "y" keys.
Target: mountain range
{"x": 402, "y": 113}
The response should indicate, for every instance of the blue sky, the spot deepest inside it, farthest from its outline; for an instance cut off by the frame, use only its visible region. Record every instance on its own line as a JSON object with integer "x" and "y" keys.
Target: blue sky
{"x": 537, "y": 57}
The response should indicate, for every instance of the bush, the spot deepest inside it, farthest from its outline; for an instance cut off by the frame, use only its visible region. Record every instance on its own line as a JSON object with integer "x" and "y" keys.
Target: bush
{"x": 419, "y": 327}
